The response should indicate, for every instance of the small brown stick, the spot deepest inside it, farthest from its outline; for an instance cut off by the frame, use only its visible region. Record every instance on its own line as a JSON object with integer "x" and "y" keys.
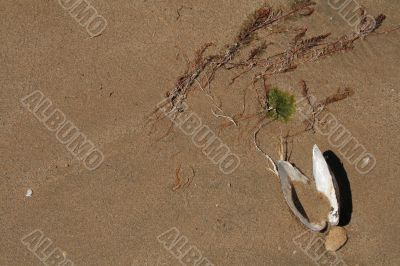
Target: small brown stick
{"x": 178, "y": 178}
{"x": 336, "y": 97}
{"x": 387, "y": 31}
{"x": 244, "y": 101}
{"x": 284, "y": 148}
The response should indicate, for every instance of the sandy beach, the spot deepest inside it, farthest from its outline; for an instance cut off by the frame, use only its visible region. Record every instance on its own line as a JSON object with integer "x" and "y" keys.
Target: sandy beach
{"x": 143, "y": 193}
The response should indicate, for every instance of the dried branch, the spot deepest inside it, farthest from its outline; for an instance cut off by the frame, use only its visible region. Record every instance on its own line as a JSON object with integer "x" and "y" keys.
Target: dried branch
{"x": 261, "y": 18}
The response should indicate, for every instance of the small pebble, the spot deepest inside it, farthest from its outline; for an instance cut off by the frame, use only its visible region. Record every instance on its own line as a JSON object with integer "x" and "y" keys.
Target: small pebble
{"x": 29, "y": 193}
{"x": 335, "y": 239}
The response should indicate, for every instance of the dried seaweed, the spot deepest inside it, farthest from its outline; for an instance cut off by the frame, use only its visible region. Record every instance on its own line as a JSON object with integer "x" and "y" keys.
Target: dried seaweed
{"x": 261, "y": 18}
{"x": 304, "y": 5}
{"x": 317, "y": 107}
{"x": 257, "y": 51}
{"x": 340, "y": 95}
{"x": 300, "y": 50}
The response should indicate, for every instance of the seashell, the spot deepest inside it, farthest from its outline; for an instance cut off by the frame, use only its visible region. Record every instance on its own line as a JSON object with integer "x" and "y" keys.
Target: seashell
{"x": 325, "y": 184}
{"x": 29, "y": 193}
{"x": 287, "y": 174}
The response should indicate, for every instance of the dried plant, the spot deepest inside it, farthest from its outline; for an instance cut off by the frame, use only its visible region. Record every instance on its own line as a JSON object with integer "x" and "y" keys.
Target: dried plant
{"x": 280, "y": 105}
{"x": 257, "y": 51}
{"x": 341, "y": 94}
{"x": 300, "y": 50}
{"x": 260, "y": 19}
{"x": 317, "y": 107}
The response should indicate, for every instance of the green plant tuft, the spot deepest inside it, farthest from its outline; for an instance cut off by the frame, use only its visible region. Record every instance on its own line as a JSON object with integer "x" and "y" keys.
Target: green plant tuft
{"x": 281, "y": 105}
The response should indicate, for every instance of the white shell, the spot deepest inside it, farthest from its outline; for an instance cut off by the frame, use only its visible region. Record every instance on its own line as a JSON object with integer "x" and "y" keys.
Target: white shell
{"x": 29, "y": 193}
{"x": 325, "y": 184}
{"x": 288, "y": 173}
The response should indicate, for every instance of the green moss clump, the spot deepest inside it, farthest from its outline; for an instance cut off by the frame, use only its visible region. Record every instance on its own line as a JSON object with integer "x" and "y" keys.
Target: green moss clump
{"x": 281, "y": 105}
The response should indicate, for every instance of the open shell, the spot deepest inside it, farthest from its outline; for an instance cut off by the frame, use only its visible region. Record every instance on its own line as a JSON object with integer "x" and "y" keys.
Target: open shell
{"x": 325, "y": 184}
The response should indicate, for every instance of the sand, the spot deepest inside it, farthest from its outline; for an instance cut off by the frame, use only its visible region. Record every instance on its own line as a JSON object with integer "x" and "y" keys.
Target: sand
{"x": 106, "y": 86}
{"x": 315, "y": 205}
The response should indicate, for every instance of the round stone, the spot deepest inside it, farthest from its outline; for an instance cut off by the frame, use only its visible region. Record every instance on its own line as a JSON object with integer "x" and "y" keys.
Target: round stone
{"x": 335, "y": 239}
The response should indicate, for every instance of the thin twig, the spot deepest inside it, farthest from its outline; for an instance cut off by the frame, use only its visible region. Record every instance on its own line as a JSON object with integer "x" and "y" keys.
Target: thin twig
{"x": 274, "y": 169}
{"x": 224, "y": 116}
{"x": 216, "y": 106}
